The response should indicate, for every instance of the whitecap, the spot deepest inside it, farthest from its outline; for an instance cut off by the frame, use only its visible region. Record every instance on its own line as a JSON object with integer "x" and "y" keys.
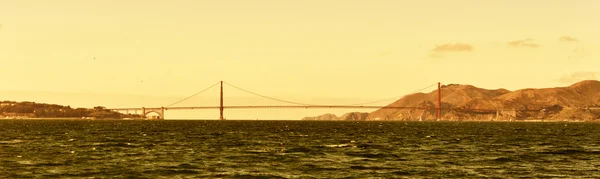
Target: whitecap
{"x": 338, "y": 145}
{"x": 16, "y": 141}
{"x": 25, "y": 162}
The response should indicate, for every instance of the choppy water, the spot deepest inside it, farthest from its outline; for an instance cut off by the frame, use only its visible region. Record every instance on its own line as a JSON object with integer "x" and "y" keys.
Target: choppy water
{"x": 297, "y": 149}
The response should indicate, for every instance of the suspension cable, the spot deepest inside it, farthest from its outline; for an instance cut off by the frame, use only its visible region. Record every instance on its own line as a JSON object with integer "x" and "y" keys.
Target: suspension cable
{"x": 192, "y": 95}
{"x": 395, "y": 97}
{"x": 275, "y": 99}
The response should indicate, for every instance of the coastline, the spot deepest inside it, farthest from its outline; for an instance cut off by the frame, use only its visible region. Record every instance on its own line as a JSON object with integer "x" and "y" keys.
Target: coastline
{"x": 66, "y": 118}
{"x": 499, "y": 121}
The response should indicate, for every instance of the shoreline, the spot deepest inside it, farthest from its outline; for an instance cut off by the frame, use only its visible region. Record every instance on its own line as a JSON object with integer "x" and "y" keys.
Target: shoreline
{"x": 87, "y": 119}
{"x": 429, "y": 121}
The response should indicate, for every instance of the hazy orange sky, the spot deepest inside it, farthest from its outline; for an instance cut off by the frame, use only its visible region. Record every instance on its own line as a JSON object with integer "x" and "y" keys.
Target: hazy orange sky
{"x": 333, "y": 51}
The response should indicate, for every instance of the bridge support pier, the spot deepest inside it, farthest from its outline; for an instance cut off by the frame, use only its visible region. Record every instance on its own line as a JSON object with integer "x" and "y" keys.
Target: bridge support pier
{"x": 159, "y": 111}
{"x": 221, "y": 106}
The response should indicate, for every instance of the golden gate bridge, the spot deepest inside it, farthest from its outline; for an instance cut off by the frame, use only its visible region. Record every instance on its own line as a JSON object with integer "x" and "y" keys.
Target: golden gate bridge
{"x": 160, "y": 111}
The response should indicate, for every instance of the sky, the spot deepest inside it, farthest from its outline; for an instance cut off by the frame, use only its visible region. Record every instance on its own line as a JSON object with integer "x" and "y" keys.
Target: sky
{"x": 152, "y": 52}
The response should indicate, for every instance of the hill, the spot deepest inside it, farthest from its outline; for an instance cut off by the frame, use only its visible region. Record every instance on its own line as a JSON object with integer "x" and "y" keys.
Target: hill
{"x": 12, "y": 109}
{"x": 467, "y": 102}
{"x": 353, "y": 116}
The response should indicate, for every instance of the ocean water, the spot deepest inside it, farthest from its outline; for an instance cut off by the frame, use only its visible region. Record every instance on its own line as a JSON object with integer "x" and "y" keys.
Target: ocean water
{"x": 297, "y": 149}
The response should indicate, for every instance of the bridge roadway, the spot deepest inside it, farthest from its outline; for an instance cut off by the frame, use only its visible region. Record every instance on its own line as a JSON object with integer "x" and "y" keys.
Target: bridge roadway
{"x": 249, "y": 107}
{"x": 161, "y": 110}
{"x": 312, "y": 107}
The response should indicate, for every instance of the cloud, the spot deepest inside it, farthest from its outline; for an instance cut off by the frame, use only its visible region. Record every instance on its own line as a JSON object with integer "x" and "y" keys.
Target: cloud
{"x": 436, "y": 55}
{"x": 578, "y": 76}
{"x": 523, "y": 43}
{"x": 567, "y": 39}
{"x": 440, "y": 50}
{"x": 457, "y": 47}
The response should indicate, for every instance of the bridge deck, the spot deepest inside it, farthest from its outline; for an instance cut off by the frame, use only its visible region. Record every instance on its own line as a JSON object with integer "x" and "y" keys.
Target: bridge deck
{"x": 316, "y": 106}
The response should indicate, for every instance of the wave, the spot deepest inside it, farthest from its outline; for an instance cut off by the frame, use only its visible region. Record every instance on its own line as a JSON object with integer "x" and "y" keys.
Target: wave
{"x": 570, "y": 151}
{"x": 16, "y": 141}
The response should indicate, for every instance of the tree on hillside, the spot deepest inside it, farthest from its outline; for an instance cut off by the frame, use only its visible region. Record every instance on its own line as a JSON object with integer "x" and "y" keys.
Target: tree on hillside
{"x": 100, "y": 108}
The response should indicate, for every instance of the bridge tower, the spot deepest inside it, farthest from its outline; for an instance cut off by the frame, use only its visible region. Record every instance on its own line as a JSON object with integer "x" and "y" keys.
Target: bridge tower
{"x": 221, "y": 105}
{"x": 439, "y": 106}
